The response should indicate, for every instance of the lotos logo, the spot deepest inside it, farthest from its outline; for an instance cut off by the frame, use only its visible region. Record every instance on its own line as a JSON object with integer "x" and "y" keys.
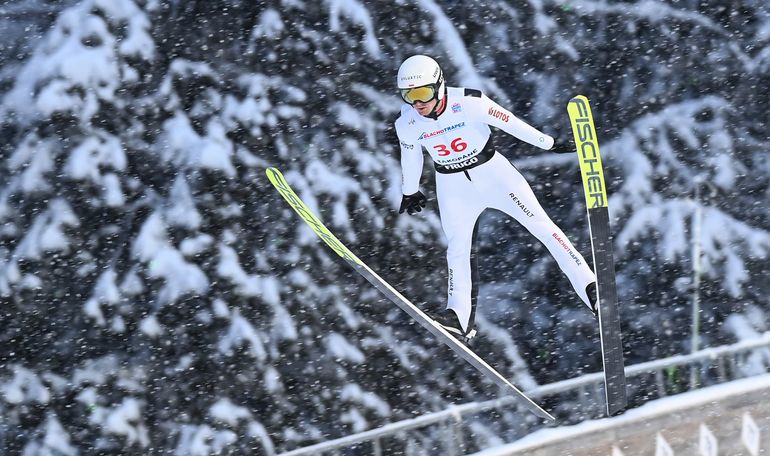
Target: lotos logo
{"x": 496, "y": 113}
{"x": 456, "y": 108}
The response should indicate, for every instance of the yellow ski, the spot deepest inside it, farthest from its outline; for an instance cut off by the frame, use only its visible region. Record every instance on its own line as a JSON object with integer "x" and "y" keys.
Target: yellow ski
{"x": 595, "y": 190}
{"x": 277, "y": 179}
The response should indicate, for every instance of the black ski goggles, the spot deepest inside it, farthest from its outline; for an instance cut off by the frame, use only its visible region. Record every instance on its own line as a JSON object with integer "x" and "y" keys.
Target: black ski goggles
{"x": 423, "y": 93}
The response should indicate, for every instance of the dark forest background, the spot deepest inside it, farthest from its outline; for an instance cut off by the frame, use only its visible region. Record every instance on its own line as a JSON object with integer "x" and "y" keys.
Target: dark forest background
{"x": 156, "y": 295}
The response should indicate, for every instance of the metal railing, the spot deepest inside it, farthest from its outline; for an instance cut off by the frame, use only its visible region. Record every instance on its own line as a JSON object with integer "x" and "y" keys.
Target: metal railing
{"x": 725, "y": 357}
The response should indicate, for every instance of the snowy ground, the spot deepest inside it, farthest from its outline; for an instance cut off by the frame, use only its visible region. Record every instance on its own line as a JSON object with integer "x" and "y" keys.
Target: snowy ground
{"x": 722, "y": 408}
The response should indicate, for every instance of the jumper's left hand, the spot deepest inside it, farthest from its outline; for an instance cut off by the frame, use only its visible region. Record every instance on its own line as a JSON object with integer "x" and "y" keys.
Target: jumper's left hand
{"x": 563, "y": 145}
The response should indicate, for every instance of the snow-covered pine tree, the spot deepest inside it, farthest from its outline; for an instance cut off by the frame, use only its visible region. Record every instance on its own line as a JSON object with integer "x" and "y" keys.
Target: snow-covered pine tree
{"x": 153, "y": 296}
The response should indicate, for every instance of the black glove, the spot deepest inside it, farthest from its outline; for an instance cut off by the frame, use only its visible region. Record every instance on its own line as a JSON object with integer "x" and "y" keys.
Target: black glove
{"x": 412, "y": 203}
{"x": 563, "y": 145}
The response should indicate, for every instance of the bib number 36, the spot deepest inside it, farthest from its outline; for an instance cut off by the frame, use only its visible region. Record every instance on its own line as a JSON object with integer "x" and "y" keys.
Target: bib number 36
{"x": 457, "y": 145}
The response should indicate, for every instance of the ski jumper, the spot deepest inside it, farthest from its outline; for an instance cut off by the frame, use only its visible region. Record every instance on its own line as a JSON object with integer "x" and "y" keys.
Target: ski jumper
{"x": 471, "y": 177}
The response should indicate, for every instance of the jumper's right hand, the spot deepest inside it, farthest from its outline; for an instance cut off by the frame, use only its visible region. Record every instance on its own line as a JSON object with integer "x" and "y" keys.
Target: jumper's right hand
{"x": 412, "y": 203}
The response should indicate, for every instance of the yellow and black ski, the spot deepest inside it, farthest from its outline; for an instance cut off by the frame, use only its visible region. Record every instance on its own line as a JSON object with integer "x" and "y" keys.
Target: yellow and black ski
{"x": 595, "y": 190}
{"x": 277, "y": 179}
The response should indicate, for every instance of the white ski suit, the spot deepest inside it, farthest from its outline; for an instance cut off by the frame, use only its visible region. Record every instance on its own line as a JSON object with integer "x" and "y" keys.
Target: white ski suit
{"x": 470, "y": 177}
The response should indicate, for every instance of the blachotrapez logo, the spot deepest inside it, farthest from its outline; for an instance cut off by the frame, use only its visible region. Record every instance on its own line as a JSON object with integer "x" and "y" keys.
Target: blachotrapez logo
{"x": 431, "y": 134}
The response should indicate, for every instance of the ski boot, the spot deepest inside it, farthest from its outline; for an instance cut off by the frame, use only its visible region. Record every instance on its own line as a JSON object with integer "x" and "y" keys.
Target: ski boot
{"x": 591, "y": 292}
{"x": 448, "y": 320}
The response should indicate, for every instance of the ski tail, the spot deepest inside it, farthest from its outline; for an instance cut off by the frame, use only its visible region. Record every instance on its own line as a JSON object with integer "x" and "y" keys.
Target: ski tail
{"x": 595, "y": 191}
{"x": 283, "y": 187}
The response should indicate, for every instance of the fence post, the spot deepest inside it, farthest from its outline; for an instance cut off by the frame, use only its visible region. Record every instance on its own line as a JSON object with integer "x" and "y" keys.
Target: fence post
{"x": 599, "y": 395}
{"x": 454, "y": 428}
{"x": 660, "y": 382}
{"x": 721, "y": 369}
{"x": 733, "y": 363}
{"x": 583, "y": 396}
{"x": 696, "y": 272}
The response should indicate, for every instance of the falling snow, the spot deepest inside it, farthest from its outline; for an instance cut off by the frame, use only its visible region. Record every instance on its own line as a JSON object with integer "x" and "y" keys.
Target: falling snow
{"x": 158, "y": 296}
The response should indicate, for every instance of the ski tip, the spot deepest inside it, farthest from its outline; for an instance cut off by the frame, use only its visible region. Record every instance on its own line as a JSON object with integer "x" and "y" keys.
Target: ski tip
{"x": 547, "y": 416}
{"x": 274, "y": 176}
{"x": 577, "y": 100}
{"x": 537, "y": 410}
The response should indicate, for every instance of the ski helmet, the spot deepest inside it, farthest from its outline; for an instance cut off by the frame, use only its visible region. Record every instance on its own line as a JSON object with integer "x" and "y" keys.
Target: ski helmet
{"x": 420, "y": 79}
